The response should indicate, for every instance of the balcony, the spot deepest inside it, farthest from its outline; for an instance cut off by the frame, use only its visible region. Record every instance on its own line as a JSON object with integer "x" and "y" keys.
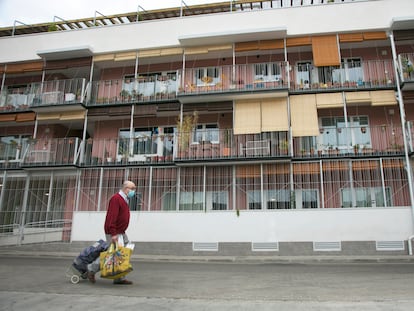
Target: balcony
{"x": 50, "y": 152}
{"x": 372, "y": 74}
{"x": 204, "y": 146}
{"x": 58, "y": 93}
{"x": 237, "y": 78}
{"x": 361, "y": 141}
{"x": 406, "y": 61}
{"x": 133, "y": 90}
{"x": 16, "y": 99}
{"x": 125, "y": 151}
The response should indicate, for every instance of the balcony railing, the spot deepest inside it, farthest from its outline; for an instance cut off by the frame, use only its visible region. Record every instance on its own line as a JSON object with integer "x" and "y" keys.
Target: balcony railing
{"x": 407, "y": 67}
{"x": 139, "y": 150}
{"x": 130, "y": 90}
{"x": 246, "y": 77}
{"x": 354, "y": 75}
{"x": 206, "y": 145}
{"x": 51, "y": 152}
{"x": 58, "y": 92}
{"x": 352, "y": 141}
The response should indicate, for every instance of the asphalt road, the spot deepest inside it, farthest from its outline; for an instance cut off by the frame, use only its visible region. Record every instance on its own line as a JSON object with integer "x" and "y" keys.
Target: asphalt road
{"x": 36, "y": 283}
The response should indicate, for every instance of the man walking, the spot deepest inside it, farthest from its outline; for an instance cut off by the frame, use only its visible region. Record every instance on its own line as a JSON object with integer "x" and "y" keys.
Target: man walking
{"x": 116, "y": 223}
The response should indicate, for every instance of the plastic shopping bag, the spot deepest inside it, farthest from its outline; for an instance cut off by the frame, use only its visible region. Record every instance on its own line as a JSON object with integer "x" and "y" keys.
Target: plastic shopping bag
{"x": 115, "y": 262}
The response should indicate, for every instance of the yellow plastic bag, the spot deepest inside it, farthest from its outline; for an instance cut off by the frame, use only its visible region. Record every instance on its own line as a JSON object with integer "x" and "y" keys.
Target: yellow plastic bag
{"x": 115, "y": 262}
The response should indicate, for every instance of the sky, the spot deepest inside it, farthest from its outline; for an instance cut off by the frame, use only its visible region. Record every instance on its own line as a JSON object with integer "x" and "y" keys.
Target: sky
{"x": 43, "y": 11}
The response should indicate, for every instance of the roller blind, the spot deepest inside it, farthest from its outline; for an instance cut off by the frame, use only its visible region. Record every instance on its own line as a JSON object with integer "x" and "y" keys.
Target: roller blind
{"x": 379, "y": 35}
{"x": 125, "y": 56}
{"x": 25, "y": 117}
{"x": 358, "y": 97}
{"x": 104, "y": 57}
{"x": 351, "y": 37}
{"x": 299, "y": 41}
{"x": 246, "y": 46}
{"x": 329, "y": 100}
{"x": 383, "y": 98}
{"x": 325, "y": 51}
{"x": 247, "y": 117}
{"x": 48, "y": 116}
{"x": 206, "y": 49}
{"x": 7, "y": 117}
{"x": 72, "y": 115}
{"x": 303, "y": 115}
{"x": 25, "y": 67}
{"x": 274, "y": 115}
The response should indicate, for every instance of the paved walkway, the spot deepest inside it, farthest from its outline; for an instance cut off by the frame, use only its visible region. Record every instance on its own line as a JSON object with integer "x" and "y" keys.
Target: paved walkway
{"x": 71, "y": 250}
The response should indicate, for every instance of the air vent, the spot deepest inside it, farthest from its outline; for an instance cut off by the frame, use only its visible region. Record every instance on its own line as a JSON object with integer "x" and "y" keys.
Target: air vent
{"x": 265, "y": 246}
{"x": 205, "y": 246}
{"x": 390, "y": 245}
{"x": 327, "y": 246}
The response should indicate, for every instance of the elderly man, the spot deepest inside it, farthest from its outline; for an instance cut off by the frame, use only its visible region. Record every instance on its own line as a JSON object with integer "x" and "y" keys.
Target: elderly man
{"x": 116, "y": 223}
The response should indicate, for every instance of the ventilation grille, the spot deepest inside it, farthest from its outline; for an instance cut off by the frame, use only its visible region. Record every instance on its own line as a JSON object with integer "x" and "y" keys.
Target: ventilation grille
{"x": 327, "y": 246}
{"x": 205, "y": 246}
{"x": 390, "y": 245}
{"x": 265, "y": 246}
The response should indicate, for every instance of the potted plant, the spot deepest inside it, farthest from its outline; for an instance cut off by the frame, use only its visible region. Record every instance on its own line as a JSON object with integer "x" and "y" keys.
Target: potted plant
{"x": 356, "y": 148}
{"x": 407, "y": 67}
{"x": 283, "y": 147}
{"x": 185, "y": 128}
{"x": 226, "y": 142}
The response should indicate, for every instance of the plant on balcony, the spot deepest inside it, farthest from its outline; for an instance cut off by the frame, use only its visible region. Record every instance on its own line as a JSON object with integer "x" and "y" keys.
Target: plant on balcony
{"x": 356, "y": 148}
{"x": 226, "y": 142}
{"x": 407, "y": 67}
{"x": 185, "y": 128}
{"x": 283, "y": 146}
{"x": 124, "y": 94}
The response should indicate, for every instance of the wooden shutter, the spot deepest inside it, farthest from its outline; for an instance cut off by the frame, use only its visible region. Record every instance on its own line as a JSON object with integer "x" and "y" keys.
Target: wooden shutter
{"x": 325, "y": 51}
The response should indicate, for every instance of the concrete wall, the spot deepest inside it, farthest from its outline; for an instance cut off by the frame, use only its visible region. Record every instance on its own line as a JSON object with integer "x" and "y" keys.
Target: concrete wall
{"x": 318, "y": 19}
{"x": 324, "y": 225}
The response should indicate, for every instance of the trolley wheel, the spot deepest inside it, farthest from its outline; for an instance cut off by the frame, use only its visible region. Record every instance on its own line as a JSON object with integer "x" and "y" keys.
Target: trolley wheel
{"x": 74, "y": 279}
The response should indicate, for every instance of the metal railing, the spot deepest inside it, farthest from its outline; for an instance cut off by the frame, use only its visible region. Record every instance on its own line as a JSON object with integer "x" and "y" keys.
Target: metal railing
{"x": 229, "y": 78}
{"x": 131, "y": 90}
{"x": 55, "y": 230}
{"x": 349, "y": 75}
{"x": 54, "y": 151}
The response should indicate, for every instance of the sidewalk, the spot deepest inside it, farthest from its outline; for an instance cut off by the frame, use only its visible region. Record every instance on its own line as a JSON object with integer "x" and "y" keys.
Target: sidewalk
{"x": 72, "y": 250}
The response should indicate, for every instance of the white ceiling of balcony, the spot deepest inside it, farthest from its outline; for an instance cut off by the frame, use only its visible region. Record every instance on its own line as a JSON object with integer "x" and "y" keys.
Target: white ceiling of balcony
{"x": 232, "y": 36}
{"x": 66, "y": 53}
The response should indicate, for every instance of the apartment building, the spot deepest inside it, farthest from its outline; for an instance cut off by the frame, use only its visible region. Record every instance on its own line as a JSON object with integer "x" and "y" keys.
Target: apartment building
{"x": 250, "y": 127}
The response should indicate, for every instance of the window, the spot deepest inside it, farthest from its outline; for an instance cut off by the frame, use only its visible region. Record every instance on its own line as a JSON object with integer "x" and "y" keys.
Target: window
{"x": 254, "y": 200}
{"x": 12, "y": 147}
{"x": 207, "y": 133}
{"x": 277, "y": 199}
{"x": 304, "y": 74}
{"x": 366, "y": 197}
{"x": 267, "y": 72}
{"x": 146, "y": 141}
{"x": 169, "y": 201}
{"x": 335, "y": 134}
{"x": 351, "y": 71}
{"x": 191, "y": 201}
{"x": 309, "y": 198}
{"x": 217, "y": 200}
{"x": 283, "y": 199}
{"x": 207, "y": 76}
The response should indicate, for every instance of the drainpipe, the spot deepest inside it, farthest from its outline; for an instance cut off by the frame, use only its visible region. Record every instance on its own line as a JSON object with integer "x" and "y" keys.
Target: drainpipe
{"x": 403, "y": 125}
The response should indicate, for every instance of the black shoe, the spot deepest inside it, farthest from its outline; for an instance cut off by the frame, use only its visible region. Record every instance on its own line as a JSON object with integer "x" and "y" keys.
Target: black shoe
{"x": 91, "y": 277}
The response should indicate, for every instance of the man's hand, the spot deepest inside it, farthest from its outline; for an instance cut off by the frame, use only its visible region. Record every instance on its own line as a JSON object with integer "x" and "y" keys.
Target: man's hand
{"x": 115, "y": 238}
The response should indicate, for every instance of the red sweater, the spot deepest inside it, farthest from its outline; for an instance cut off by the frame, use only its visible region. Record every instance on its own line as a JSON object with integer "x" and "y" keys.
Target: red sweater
{"x": 117, "y": 216}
